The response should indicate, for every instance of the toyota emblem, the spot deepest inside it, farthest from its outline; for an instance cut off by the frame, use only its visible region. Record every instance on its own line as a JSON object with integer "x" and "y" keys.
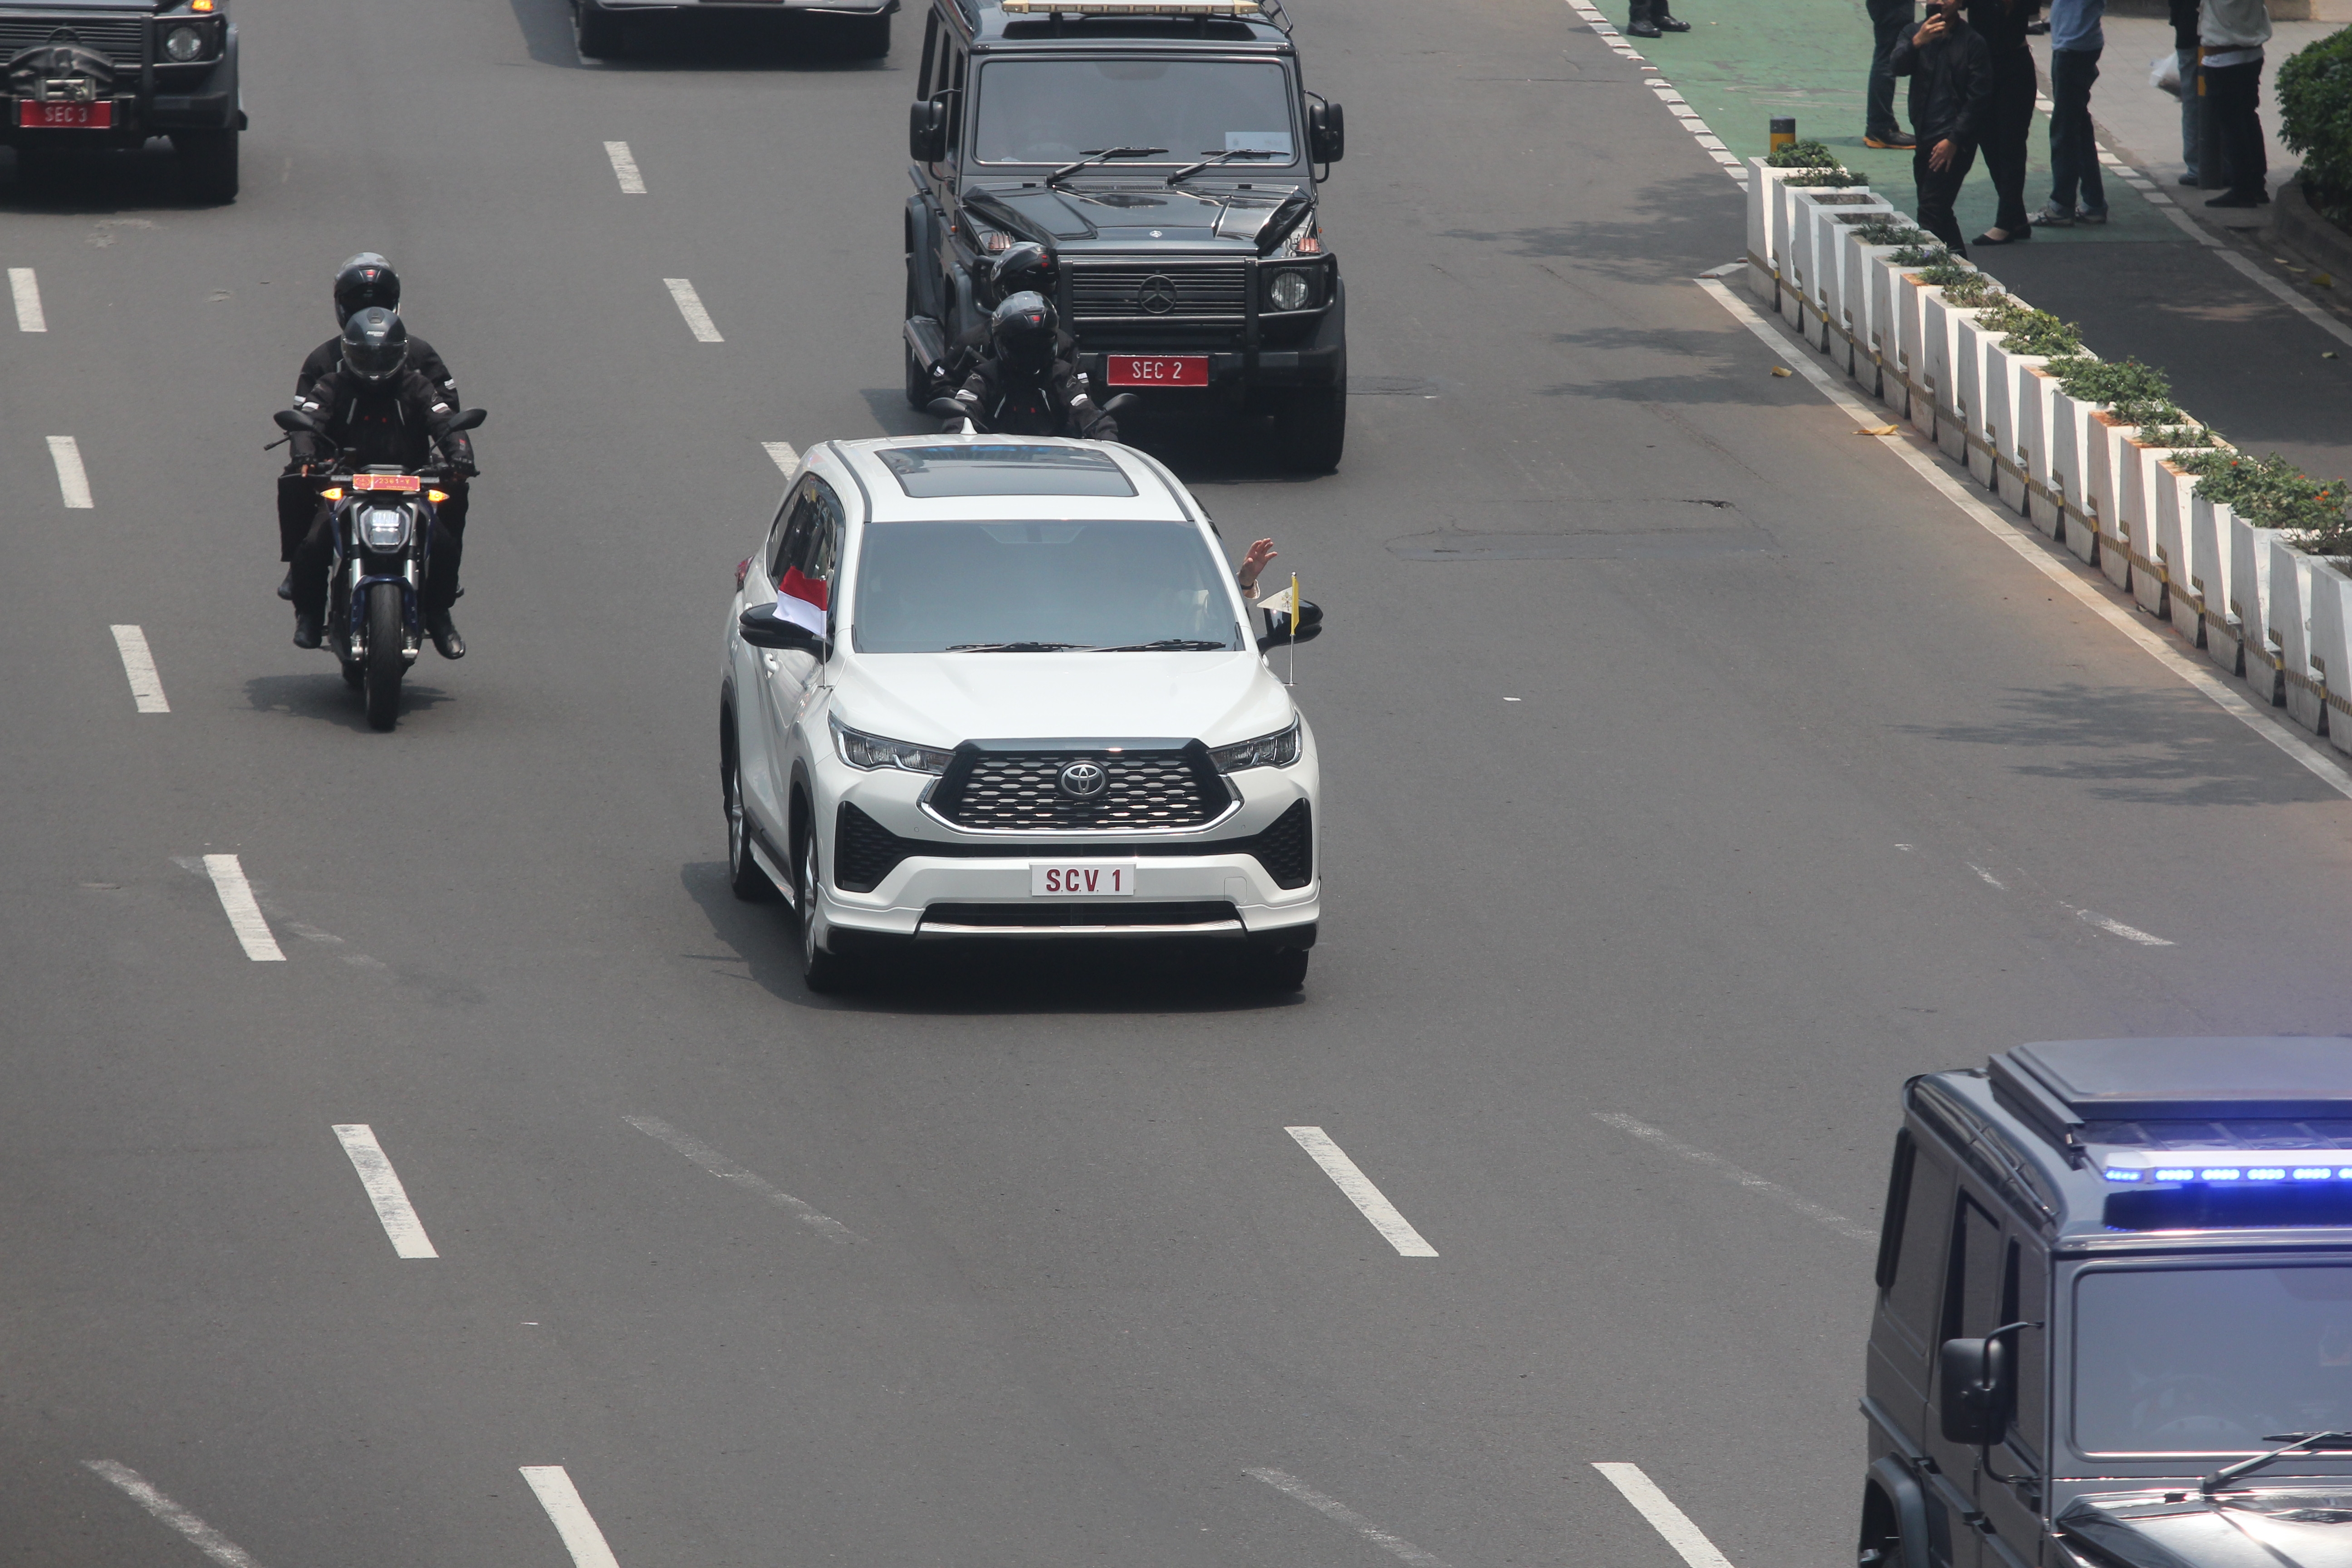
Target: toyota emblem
{"x": 1157, "y": 294}
{"x": 1083, "y": 780}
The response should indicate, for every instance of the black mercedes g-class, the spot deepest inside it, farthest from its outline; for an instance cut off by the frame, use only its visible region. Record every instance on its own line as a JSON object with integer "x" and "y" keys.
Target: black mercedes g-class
{"x": 2113, "y": 1319}
{"x": 1165, "y": 152}
{"x": 112, "y": 73}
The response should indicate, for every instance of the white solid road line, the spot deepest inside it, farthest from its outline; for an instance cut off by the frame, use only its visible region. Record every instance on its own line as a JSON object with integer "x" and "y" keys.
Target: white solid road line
{"x": 244, "y": 914}
{"x": 2192, "y": 672}
{"x": 571, "y": 1517}
{"x": 1331, "y": 1508}
{"x": 1749, "y": 1179}
{"x": 28, "y": 289}
{"x": 1361, "y": 1193}
{"x": 781, "y": 453}
{"x": 202, "y": 1536}
{"x": 690, "y": 305}
{"x": 2115, "y": 927}
{"x": 146, "y": 686}
{"x": 726, "y": 1170}
{"x": 73, "y": 480}
{"x": 1664, "y": 1516}
{"x": 625, "y": 168}
{"x": 384, "y": 1191}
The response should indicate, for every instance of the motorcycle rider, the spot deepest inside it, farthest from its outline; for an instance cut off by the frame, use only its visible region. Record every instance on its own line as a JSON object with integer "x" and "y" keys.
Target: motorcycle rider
{"x": 1029, "y": 383}
{"x": 364, "y": 281}
{"x": 376, "y": 406}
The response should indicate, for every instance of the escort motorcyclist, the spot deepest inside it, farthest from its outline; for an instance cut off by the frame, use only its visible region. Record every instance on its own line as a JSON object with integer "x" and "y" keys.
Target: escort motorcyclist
{"x": 365, "y": 280}
{"x": 1024, "y": 269}
{"x": 1028, "y": 384}
{"x": 375, "y": 406}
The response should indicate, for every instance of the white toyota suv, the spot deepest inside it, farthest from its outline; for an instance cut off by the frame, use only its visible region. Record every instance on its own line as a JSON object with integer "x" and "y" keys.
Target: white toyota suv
{"x": 989, "y": 687}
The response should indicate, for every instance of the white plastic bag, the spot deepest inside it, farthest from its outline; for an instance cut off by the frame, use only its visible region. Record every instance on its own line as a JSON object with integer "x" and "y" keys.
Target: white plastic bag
{"x": 2164, "y": 73}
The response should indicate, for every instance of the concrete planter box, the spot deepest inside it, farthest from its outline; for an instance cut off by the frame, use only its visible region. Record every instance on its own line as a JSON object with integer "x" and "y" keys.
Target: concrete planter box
{"x": 2200, "y": 593}
{"x": 1886, "y": 290}
{"x": 2055, "y": 476}
{"x": 1763, "y": 256}
{"x": 1858, "y": 270}
{"x": 2030, "y": 391}
{"x": 2249, "y": 604}
{"x": 2330, "y": 650}
{"x": 2288, "y": 605}
{"x": 1801, "y": 203}
{"x": 1961, "y": 383}
{"x": 1988, "y": 363}
{"x": 1911, "y": 345}
{"x": 2225, "y": 600}
{"x": 2114, "y": 498}
{"x": 1827, "y": 263}
{"x": 2157, "y": 526}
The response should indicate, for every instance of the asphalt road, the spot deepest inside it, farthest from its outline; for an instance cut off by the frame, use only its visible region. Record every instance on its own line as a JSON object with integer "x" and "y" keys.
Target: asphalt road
{"x": 1779, "y": 782}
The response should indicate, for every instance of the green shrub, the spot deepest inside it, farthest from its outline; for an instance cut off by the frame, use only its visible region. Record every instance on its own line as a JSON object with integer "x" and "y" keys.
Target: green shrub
{"x": 2270, "y": 493}
{"x": 1883, "y": 231}
{"x": 1976, "y": 292}
{"x": 2156, "y": 434}
{"x": 1804, "y": 155}
{"x": 2135, "y": 394}
{"x": 1947, "y": 274}
{"x": 1832, "y": 177}
{"x": 1921, "y": 256}
{"x": 2032, "y": 332}
{"x": 2315, "y": 98}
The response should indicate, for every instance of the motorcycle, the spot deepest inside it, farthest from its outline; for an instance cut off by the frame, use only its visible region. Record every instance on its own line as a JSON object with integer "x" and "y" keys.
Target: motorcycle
{"x": 384, "y": 549}
{"x": 958, "y": 418}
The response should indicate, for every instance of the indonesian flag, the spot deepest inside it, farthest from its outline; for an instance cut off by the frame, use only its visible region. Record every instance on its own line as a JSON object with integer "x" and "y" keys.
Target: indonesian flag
{"x": 802, "y": 601}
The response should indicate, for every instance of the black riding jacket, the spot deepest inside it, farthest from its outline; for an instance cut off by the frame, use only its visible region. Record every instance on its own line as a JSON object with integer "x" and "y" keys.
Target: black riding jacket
{"x": 1951, "y": 84}
{"x": 387, "y": 422}
{"x": 1007, "y": 402}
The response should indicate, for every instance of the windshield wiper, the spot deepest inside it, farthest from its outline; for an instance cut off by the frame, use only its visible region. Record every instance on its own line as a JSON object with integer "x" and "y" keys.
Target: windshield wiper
{"x": 1091, "y": 159}
{"x": 2304, "y": 1442}
{"x": 1189, "y": 170}
{"x": 1012, "y": 646}
{"x": 1171, "y": 645}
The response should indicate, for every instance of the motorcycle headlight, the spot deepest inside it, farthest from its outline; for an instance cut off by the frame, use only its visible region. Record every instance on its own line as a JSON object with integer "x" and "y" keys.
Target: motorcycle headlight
{"x": 184, "y": 43}
{"x": 384, "y": 527}
{"x": 1278, "y": 750}
{"x": 860, "y": 749}
{"x": 1290, "y": 291}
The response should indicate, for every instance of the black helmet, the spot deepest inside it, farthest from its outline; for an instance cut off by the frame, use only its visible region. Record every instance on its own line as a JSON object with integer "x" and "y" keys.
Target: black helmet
{"x": 1026, "y": 266}
{"x": 375, "y": 345}
{"x": 1022, "y": 331}
{"x": 365, "y": 279}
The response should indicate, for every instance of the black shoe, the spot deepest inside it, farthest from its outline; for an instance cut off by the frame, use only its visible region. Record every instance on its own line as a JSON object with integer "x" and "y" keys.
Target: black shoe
{"x": 286, "y": 584}
{"x": 2189, "y": 179}
{"x": 1673, "y": 25}
{"x": 1884, "y": 140}
{"x": 306, "y": 629}
{"x": 443, "y": 632}
{"x": 2005, "y": 237}
{"x": 1641, "y": 30}
{"x": 2235, "y": 199}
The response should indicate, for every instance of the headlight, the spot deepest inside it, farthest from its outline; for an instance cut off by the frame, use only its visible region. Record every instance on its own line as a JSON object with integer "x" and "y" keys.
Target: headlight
{"x": 1290, "y": 291}
{"x": 860, "y": 749}
{"x": 184, "y": 43}
{"x": 1278, "y": 750}
{"x": 384, "y": 527}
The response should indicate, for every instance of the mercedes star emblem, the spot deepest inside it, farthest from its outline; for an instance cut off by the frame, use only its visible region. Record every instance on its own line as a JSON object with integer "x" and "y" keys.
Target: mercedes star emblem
{"x": 1157, "y": 294}
{"x": 1083, "y": 780}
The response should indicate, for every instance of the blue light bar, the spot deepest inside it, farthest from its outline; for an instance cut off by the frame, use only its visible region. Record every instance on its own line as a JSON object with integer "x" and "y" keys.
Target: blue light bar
{"x": 2176, "y": 1174}
{"x": 2267, "y": 1173}
{"x": 2119, "y": 1173}
{"x": 2314, "y": 1173}
{"x": 2220, "y": 1173}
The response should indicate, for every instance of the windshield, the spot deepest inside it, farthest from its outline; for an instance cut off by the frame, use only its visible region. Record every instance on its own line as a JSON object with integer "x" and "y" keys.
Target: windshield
{"x": 2211, "y": 1360}
{"x": 934, "y": 588}
{"x": 1056, "y": 111}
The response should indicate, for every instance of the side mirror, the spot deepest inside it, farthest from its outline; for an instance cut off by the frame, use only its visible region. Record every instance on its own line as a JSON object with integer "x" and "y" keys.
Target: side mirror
{"x": 468, "y": 419}
{"x": 1976, "y": 1390}
{"x": 927, "y": 130}
{"x": 293, "y": 421}
{"x": 762, "y": 627}
{"x": 1122, "y": 402}
{"x": 1277, "y": 626}
{"x": 1327, "y": 132}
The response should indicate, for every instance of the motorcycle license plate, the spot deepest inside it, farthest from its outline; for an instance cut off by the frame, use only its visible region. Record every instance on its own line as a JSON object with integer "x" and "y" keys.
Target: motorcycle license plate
{"x": 65, "y": 116}
{"x": 1155, "y": 370}
{"x": 408, "y": 484}
{"x": 1098, "y": 880}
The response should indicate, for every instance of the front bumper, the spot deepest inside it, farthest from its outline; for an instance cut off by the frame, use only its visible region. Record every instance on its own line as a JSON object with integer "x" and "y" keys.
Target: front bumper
{"x": 1307, "y": 352}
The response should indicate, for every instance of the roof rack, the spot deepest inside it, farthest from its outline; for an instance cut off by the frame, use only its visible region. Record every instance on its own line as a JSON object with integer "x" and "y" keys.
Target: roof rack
{"x": 1238, "y": 10}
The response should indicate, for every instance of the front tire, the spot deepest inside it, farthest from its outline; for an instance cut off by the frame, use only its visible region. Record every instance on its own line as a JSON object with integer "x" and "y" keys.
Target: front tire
{"x": 1280, "y": 969}
{"x": 209, "y": 160}
{"x": 595, "y": 32}
{"x": 386, "y": 630}
{"x": 824, "y": 973}
{"x": 744, "y": 878}
{"x": 1312, "y": 429}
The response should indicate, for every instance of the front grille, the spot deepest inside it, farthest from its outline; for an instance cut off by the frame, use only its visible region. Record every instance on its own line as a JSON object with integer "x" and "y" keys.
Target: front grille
{"x": 1286, "y": 847}
{"x": 116, "y": 38}
{"x": 1127, "y": 912}
{"x": 1018, "y": 792}
{"x": 1214, "y": 292}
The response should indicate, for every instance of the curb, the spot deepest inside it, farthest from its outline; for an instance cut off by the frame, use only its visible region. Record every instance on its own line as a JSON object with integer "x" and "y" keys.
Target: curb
{"x": 2295, "y": 224}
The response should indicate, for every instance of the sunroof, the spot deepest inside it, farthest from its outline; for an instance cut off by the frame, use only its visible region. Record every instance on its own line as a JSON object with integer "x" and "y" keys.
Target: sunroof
{"x": 943, "y": 473}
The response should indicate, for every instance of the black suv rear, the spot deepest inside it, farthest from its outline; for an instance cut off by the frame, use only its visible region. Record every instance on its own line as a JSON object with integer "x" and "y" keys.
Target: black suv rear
{"x": 112, "y": 73}
{"x": 1165, "y": 152}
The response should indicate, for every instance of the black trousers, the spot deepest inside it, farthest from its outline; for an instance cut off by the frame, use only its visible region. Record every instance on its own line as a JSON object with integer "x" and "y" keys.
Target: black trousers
{"x": 1939, "y": 188}
{"x": 2013, "y": 86}
{"x": 2233, "y": 96}
{"x": 1651, "y": 11}
{"x": 1888, "y": 18}
{"x": 2074, "y": 148}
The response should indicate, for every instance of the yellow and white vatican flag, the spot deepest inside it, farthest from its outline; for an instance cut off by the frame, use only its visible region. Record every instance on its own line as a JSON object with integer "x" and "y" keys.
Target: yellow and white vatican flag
{"x": 1285, "y": 603}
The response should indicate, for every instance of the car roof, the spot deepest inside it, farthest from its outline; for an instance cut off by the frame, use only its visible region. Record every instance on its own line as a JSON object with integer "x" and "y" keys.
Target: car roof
{"x": 987, "y": 24}
{"x": 2187, "y": 1079}
{"x": 1157, "y": 498}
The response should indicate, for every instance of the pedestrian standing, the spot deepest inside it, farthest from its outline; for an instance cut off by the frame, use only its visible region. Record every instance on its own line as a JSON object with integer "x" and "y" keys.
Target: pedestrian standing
{"x": 1889, "y": 20}
{"x": 2076, "y": 42}
{"x": 2003, "y": 24}
{"x": 2184, "y": 54}
{"x": 1650, "y": 18}
{"x": 1951, "y": 71}
{"x": 2233, "y": 32}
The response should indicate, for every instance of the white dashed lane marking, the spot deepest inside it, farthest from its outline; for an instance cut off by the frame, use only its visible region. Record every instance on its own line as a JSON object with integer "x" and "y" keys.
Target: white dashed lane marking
{"x": 781, "y": 453}
{"x": 2115, "y": 927}
{"x": 1332, "y": 1509}
{"x": 27, "y": 287}
{"x": 73, "y": 480}
{"x": 625, "y": 168}
{"x": 1749, "y": 1179}
{"x": 139, "y": 665}
{"x": 384, "y": 1191}
{"x": 1361, "y": 1193}
{"x": 727, "y": 1171}
{"x": 569, "y": 1516}
{"x": 200, "y": 1535}
{"x": 244, "y": 914}
{"x": 1668, "y": 1521}
{"x": 690, "y": 305}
